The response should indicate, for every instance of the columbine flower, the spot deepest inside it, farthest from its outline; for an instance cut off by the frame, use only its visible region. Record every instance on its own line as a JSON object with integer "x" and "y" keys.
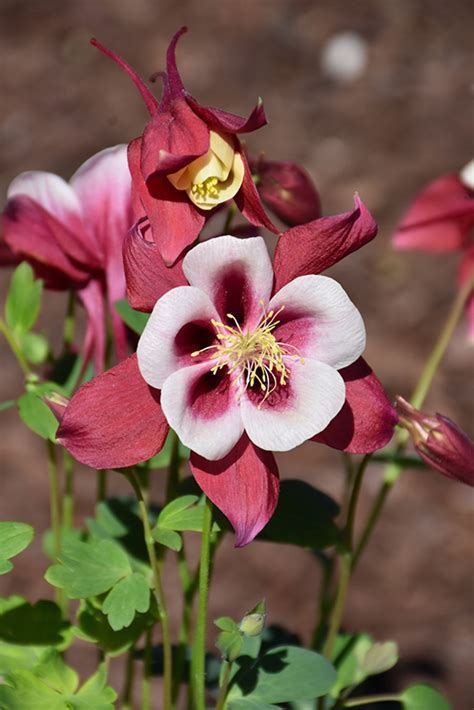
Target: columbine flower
{"x": 439, "y": 442}
{"x": 441, "y": 219}
{"x": 238, "y": 386}
{"x": 72, "y": 234}
{"x": 287, "y": 190}
{"x": 188, "y": 161}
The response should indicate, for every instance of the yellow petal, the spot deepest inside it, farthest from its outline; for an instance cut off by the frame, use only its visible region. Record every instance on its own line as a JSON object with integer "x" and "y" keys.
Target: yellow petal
{"x": 181, "y": 179}
{"x": 225, "y": 190}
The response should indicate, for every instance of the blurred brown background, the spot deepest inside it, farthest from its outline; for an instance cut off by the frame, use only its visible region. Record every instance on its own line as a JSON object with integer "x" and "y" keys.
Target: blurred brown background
{"x": 404, "y": 117}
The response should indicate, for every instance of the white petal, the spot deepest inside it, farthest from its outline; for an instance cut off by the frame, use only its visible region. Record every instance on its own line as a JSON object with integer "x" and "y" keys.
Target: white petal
{"x": 337, "y": 334}
{"x": 237, "y": 275}
{"x": 206, "y": 417}
{"x": 297, "y": 411}
{"x": 103, "y": 185}
{"x": 52, "y": 193}
{"x": 159, "y": 353}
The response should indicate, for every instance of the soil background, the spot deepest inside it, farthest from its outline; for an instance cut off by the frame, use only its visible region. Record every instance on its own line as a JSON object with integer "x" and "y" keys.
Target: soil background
{"x": 405, "y": 120}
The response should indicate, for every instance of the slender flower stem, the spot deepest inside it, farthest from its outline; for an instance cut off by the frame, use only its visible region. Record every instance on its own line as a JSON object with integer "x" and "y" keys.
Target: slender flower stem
{"x": 69, "y": 322}
{"x": 11, "y": 340}
{"x": 335, "y": 622}
{"x": 199, "y": 646}
{"x": 158, "y": 590}
{"x": 55, "y": 507}
{"x": 175, "y": 463}
{"x": 129, "y": 678}
{"x": 101, "y": 485}
{"x": 146, "y": 695}
{"x": 68, "y": 497}
{"x": 359, "y": 477}
{"x": 224, "y": 686}
{"x": 395, "y": 467}
{"x": 370, "y": 700}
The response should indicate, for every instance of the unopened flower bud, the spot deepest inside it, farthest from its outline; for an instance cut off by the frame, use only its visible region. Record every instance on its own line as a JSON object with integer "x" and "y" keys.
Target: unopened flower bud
{"x": 439, "y": 442}
{"x": 287, "y": 190}
{"x": 252, "y": 624}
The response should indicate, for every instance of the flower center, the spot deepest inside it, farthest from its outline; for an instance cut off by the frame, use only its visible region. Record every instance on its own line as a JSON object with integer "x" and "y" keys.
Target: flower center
{"x": 208, "y": 188}
{"x": 255, "y": 358}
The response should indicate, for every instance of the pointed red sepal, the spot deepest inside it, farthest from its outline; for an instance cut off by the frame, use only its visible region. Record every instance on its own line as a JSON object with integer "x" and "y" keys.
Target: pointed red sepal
{"x": 367, "y": 419}
{"x": 244, "y": 486}
{"x": 115, "y": 420}
{"x": 248, "y": 200}
{"x": 173, "y": 81}
{"x": 220, "y": 120}
{"x": 150, "y": 101}
{"x": 314, "y": 247}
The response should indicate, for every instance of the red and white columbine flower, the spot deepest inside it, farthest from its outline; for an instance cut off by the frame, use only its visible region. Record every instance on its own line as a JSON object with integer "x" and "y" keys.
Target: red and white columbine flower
{"x": 117, "y": 419}
{"x": 230, "y": 358}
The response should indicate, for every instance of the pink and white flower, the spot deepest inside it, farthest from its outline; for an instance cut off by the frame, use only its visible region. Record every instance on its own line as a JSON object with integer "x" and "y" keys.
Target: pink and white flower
{"x": 72, "y": 234}
{"x": 231, "y": 358}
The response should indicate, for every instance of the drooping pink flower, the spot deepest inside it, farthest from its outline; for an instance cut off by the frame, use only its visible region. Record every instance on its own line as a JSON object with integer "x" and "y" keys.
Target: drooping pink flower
{"x": 276, "y": 401}
{"x": 72, "y": 234}
{"x": 439, "y": 442}
{"x": 441, "y": 219}
{"x": 188, "y": 161}
{"x": 287, "y": 190}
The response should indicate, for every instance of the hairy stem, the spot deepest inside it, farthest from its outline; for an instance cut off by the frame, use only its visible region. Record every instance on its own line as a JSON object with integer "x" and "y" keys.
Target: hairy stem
{"x": 224, "y": 686}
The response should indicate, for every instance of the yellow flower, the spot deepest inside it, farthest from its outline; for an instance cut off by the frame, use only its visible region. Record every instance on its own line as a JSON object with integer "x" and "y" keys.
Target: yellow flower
{"x": 212, "y": 178}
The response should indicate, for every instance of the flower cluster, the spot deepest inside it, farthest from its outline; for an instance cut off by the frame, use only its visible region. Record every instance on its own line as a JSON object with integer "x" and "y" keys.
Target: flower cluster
{"x": 241, "y": 357}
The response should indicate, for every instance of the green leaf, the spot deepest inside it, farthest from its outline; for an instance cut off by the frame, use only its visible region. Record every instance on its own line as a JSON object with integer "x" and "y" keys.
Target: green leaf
{"x": 134, "y": 319}
{"x": 34, "y": 347}
{"x": 423, "y": 697}
{"x": 39, "y": 624}
{"x": 89, "y": 568}
{"x": 118, "y": 519}
{"x": 56, "y": 674}
{"x": 94, "y": 627}
{"x": 380, "y": 658}
{"x": 304, "y": 516}
{"x": 229, "y": 644}
{"x": 14, "y": 538}
{"x": 249, "y": 704}
{"x": 349, "y": 650}
{"x": 168, "y": 538}
{"x": 182, "y": 514}
{"x": 95, "y": 693}
{"x": 37, "y": 416}
{"x": 225, "y": 623}
{"x": 283, "y": 674}
{"x": 23, "y": 300}
{"x": 67, "y": 535}
{"x": 130, "y": 595}
{"x": 27, "y": 692}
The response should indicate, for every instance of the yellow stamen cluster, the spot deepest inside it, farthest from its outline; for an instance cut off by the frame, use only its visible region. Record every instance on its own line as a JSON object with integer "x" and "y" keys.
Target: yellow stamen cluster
{"x": 208, "y": 188}
{"x": 256, "y": 358}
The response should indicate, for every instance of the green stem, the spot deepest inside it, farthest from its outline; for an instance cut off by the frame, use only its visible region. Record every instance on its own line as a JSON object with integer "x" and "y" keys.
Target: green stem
{"x": 345, "y": 562}
{"x": 158, "y": 590}
{"x": 199, "y": 646}
{"x": 393, "y": 470}
{"x": 371, "y": 699}
{"x": 101, "y": 485}
{"x": 129, "y": 678}
{"x": 55, "y": 507}
{"x": 68, "y": 497}
{"x": 146, "y": 680}
{"x": 229, "y": 218}
{"x": 224, "y": 686}
{"x": 359, "y": 477}
{"x": 69, "y": 322}
{"x": 175, "y": 464}
{"x": 15, "y": 348}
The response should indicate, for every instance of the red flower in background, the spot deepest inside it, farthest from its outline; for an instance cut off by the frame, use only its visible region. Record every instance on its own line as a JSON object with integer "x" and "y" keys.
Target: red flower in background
{"x": 439, "y": 442}
{"x": 441, "y": 219}
{"x": 287, "y": 190}
{"x": 72, "y": 234}
{"x": 188, "y": 161}
{"x": 116, "y": 420}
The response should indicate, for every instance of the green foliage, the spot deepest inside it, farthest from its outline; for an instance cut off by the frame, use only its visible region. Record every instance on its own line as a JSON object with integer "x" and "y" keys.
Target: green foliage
{"x": 93, "y": 626}
{"x": 23, "y": 300}
{"x": 168, "y": 538}
{"x": 181, "y": 514}
{"x": 28, "y": 631}
{"x": 37, "y": 416}
{"x": 34, "y": 347}
{"x": 304, "y": 516}
{"x": 127, "y": 597}
{"x": 52, "y": 685}
{"x": 357, "y": 657}
{"x": 89, "y": 568}
{"x": 282, "y": 674}
{"x": 14, "y": 538}
{"x": 118, "y": 519}
{"x": 423, "y": 697}
{"x": 135, "y": 320}
{"x": 380, "y": 658}
{"x": 230, "y": 640}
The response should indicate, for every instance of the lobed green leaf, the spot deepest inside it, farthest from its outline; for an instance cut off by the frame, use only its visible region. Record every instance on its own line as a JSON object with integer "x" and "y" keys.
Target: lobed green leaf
{"x": 127, "y": 597}
{"x": 23, "y": 300}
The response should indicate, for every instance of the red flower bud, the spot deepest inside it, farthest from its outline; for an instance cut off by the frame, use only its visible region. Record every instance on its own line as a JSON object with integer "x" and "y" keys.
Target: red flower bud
{"x": 287, "y": 190}
{"x": 439, "y": 442}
